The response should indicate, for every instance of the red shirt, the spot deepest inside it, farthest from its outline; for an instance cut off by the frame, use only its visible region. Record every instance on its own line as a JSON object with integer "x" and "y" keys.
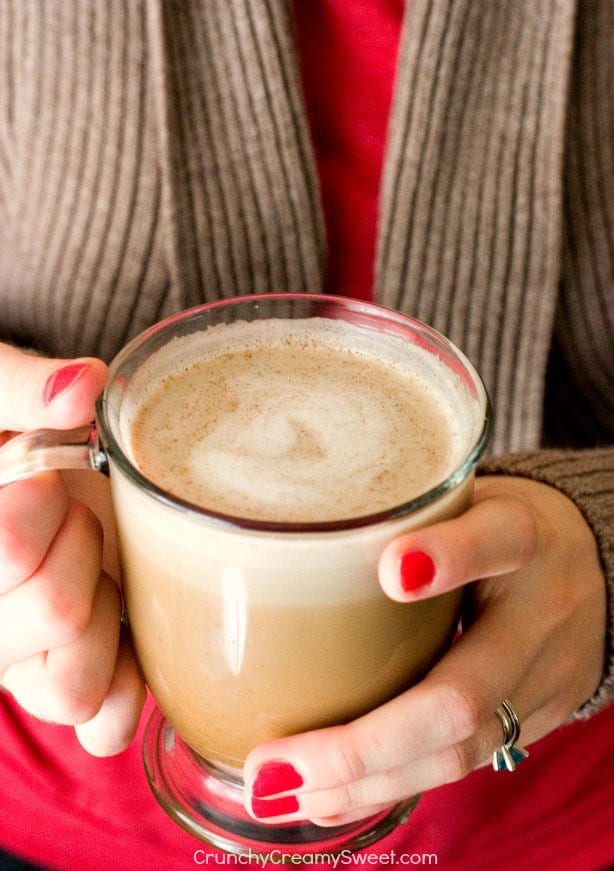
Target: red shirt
{"x": 349, "y": 54}
{"x": 67, "y": 810}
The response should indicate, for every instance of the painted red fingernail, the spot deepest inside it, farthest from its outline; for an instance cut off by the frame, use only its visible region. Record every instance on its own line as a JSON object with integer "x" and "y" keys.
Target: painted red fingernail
{"x": 274, "y": 807}
{"x": 275, "y": 776}
{"x": 417, "y": 569}
{"x": 62, "y": 380}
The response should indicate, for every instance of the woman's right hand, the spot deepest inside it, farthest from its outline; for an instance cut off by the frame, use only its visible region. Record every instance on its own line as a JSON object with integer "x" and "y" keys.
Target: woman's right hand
{"x": 62, "y": 653}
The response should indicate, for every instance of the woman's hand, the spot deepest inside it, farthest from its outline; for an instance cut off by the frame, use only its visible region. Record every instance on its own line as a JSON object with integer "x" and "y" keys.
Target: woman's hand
{"x": 536, "y": 630}
{"x": 61, "y": 651}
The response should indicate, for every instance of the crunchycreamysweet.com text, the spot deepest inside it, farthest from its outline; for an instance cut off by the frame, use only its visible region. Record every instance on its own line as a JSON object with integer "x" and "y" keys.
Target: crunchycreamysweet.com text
{"x": 345, "y": 859}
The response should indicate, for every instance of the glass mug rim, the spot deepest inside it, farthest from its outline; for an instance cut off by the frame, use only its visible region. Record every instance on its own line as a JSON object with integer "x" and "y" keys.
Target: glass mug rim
{"x": 114, "y": 451}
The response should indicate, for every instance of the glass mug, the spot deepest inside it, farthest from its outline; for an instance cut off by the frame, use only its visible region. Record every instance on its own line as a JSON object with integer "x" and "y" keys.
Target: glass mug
{"x": 213, "y": 601}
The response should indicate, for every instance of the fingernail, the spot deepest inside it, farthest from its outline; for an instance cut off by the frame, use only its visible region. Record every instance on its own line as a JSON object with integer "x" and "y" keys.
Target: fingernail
{"x": 275, "y": 776}
{"x": 275, "y": 807}
{"x": 417, "y": 569}
{"x": 62, "y": 380}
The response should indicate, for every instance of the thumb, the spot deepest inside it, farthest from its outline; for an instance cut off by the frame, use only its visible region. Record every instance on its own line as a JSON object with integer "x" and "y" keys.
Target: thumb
{"x": 38, "y": 392}
{"x": 494, "y": 537}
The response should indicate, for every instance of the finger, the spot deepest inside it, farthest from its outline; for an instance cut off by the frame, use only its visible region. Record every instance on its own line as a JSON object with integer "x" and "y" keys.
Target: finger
{"x": 362, "y": 798}
{"x": 358, "y": 797}
{"x": 68, "y": 684}
{"x": 410, "y": 728}
{"x": 53, "y": 607}
{"x": 94, "y": 490}
{"x": 31, "y": 513}
{"x": 78, "y": 674}
{"x": 114, "y": 726}
{"x": 38, "y": 392}
{"x": 495, "y": 536}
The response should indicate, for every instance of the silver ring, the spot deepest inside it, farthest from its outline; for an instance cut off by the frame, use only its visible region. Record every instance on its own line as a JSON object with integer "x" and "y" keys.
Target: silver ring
{"x": 509, "y": 754}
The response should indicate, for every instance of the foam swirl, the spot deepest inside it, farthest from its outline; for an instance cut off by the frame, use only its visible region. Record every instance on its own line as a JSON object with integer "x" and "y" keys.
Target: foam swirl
{"x": 298, "y": 432}
{"x": 296, "y": 446}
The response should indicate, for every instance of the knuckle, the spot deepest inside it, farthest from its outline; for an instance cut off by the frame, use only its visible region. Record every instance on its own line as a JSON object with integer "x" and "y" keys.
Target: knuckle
{"x": 559, "y": 604}
{"x": 526, "y": 526}
{"x": 63, "y": 616}
{"x": 460, "y": 712}
{"x": 343, "y": 801}
{"x": 86, "y": 522}
{"x": 454, "y": 763}
{"x": 69, "y": 705}
{"x": 352, "y": 766}
{"x": 18, "y": 559}
{"x": 23, "y": 539}
{"x": 54, "y": 697}
{"x": 574, "y": 602}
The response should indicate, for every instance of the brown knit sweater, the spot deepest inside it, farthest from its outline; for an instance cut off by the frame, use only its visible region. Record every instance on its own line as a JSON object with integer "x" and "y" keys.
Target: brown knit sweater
{"x": 154, "y": 155}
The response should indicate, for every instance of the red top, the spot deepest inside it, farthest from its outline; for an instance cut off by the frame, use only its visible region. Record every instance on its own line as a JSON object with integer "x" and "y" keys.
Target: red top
{"x": 349, "y": 52}
{"x": 64, "y": 809}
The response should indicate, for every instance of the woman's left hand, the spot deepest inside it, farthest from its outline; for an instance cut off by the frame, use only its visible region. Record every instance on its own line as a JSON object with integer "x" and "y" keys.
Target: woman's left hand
{"x": 536, "y": 636}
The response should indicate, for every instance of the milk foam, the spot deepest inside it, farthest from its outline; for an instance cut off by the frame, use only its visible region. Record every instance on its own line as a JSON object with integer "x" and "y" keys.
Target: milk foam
{"x": 304, "y": 420}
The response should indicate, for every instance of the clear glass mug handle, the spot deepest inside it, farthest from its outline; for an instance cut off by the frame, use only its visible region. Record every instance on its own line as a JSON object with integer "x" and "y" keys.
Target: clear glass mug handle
{"x": 46, "y": 449}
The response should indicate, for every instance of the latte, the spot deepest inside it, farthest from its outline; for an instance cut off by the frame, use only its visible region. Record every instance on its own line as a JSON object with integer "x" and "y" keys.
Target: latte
{"x": 247, "y": 634}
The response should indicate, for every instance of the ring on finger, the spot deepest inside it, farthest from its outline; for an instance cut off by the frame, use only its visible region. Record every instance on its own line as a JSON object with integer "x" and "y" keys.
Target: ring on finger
{"x": 509, "y": 754}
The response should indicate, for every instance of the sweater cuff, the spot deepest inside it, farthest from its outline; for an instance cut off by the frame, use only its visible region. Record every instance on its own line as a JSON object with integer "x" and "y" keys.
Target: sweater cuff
{"x": 587, "y": 478}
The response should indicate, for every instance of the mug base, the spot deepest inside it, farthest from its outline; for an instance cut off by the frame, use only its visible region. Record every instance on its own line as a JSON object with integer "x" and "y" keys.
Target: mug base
{"x": 207, "y": 801}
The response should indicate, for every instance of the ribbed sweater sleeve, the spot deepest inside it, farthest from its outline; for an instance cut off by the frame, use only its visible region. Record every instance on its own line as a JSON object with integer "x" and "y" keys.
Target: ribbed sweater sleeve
{"x": 586, "y": 477}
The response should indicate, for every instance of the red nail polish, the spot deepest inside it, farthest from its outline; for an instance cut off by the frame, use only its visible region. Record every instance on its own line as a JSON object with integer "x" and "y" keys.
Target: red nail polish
{"x": 417, "y": 569}
{"x": 275, "y": 776}
{"x": 62, "y": 380}
{"x": 274, "y": 807}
